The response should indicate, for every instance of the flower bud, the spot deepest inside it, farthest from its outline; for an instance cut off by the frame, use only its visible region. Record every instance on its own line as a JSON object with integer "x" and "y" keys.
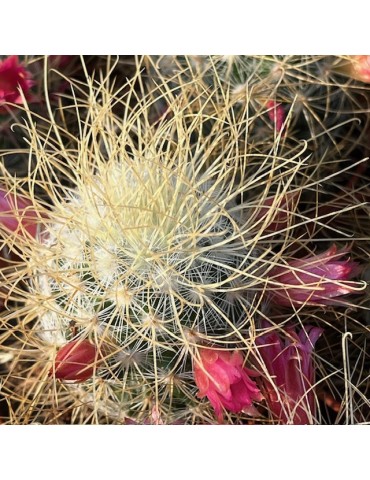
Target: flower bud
{"x": 315, "y": 280}
{"x": 289, "y": 389}
{"x": 75, "y": 361}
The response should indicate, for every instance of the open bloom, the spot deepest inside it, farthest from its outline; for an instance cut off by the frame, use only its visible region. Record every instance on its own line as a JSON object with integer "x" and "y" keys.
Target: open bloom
{"x": 17, "y": 214}
{"x": 75, "y": 361}
{"x": 314, "y": 280}
{"x": 222, "y": 378}
{"x": 288, "y": 391}
{"x": 13, "y": 76}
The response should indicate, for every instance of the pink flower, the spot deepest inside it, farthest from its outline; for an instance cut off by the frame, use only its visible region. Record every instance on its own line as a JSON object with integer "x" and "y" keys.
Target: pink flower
{"x": 315, "y": 280}
{"x": 17, "y": 214}
{"x": 13, "y": 76}
{"x": 288, "y": 393}
{"x": 222, "y": 378}
{"x": 276, "y": 114}
{"x": 75, "y": 361}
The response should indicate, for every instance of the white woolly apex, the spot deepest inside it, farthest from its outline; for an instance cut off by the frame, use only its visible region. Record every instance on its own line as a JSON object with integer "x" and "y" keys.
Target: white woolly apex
{"x": 130, "y": 357}
{"x": 53, "y": 331}
{"x": 164, "y": 280}
{"x": 122, "y": 297}
{"x": 105, "y": 265}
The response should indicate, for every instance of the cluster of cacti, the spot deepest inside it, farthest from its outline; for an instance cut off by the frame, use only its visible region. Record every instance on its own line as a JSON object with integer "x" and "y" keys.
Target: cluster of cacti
{"x": 182, "y": 260}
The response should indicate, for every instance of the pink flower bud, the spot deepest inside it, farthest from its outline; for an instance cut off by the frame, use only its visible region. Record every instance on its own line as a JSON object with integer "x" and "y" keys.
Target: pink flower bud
{"x": 276, "y": 114}
{"x": 222, "y": 378}
{"x": 75, "y": 361}
{"x": 288, "y": 391}
{"x": 315, "y": 280}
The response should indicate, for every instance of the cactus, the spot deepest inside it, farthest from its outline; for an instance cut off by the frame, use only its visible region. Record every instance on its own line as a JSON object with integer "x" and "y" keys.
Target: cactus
{"x": 145, "y": 253}
{"x": 154, "y": 244}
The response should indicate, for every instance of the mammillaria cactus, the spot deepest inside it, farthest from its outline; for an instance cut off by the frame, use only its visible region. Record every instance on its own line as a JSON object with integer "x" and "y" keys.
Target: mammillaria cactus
{"x": 145, "y": 254}
{"x": 157, "y": 241}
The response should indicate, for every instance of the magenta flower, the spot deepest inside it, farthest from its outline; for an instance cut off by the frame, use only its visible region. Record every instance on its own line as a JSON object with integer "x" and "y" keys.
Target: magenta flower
{"x": 276, "y": 114}
{"x": 222, "y": 378}
{"x": 288, "y": 393}
{"x": 17, "y": 214}
{"x": 13, "y": 76}
{"x": 75, "y": 361}
{"x": 315, "y": 280}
